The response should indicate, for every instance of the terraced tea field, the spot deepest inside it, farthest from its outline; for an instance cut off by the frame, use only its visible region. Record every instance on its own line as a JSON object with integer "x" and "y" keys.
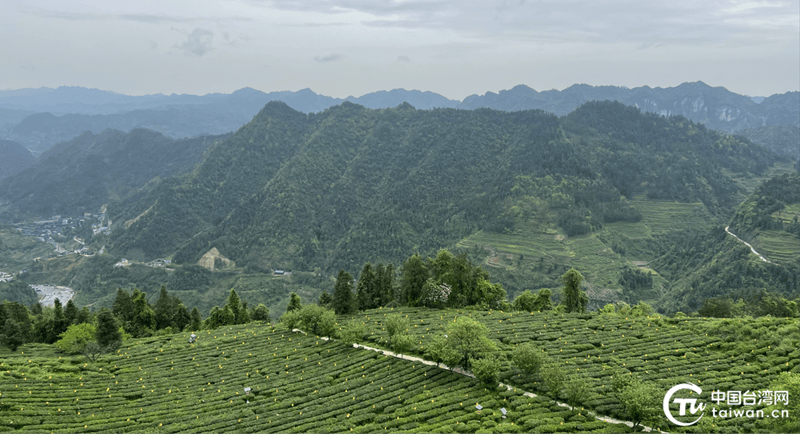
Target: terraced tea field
{"x": 778, "y": 246}
{"x": 716, "y": 354}
{"x": 298, "y": 383}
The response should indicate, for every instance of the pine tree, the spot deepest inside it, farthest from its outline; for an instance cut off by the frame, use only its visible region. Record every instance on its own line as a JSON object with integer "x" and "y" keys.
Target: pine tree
{"x": 235, "y": 306}
{"x": 366, "y": 288}
{"x": 71, "y": 313}
{"x": 123, "y": 305}
{"x": 294, "y": 302}
{"x": 164, "y": 310}
{"x": 59, "y": 324}
{"x": 343, "y": 293}
{"x": 12, "y": 336}
{"x": 197, "y": 321}
{"x": 414, "y": 276}
{"x": 260, "y": 313}
{"x": 108, "y": 335}
{"x": 181, "y": 318}
{"x": 144, "y": 318}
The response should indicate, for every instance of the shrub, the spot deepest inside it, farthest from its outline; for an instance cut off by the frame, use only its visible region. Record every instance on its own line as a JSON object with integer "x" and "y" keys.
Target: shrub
{"x": 486, "y": 370}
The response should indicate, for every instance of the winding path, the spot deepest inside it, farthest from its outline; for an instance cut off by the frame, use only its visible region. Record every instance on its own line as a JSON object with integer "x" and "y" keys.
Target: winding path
{"x": 469, "y": 374}
{"x": 746, "y": 244}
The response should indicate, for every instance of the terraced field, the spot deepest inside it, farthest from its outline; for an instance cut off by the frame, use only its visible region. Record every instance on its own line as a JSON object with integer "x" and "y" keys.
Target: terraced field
{"x": 716, "y": 354}
{"x": 298, "y": 383}
{"x": 778, "y": 246}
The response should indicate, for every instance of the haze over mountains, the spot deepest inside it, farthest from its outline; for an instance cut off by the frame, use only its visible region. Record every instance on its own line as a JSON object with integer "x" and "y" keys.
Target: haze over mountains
{"x": 73, "y": 110}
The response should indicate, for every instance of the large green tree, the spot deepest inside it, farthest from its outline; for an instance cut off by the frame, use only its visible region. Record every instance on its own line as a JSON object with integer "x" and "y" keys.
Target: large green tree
{"x": 574, "y": 300}
{"x": 108, "y": 334}
{"x": 343, "y": 302}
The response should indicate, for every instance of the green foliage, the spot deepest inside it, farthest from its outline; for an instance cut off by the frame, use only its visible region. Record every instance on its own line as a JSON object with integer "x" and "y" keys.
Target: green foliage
{"x": 353, "y": 332}
{"x": 554, "y": 378}
{"x": 13, "y": 336}
{"x": 343, "y": 298}
{"x": 529, "y": 302}
{"x": 108, "y": 335}
{"x": 528, "y": 358}
{"x": 639, "y": 400}
{"x": 75, "y": 339}
{"x": 469, "y": 339}
{"x": 575, "y": 389}
{"x": 325, "y": 299}
{"x": 17, "y": 290}
{"x": 260, "y": 313}
{"x": 486, "y": 369}
{"x": 294, "y": 303}
{"x": 574, "y": 300}
{"x": 789, "y": 382}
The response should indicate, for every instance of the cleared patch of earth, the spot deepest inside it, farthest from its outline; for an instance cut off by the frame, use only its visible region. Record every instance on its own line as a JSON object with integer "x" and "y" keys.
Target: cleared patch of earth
{"x": 49, "y": 293}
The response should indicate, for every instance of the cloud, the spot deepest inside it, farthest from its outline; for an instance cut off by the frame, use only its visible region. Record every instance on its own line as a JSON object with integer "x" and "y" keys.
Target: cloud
{"x": 403, "y": 59}
{"x": 334, "y": 57}
{"x": 153, "y": 45}
{"x": 198, "y": 42}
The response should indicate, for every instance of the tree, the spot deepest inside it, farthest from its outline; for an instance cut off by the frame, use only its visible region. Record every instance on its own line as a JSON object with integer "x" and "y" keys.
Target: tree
{"x": 71, "y": 312}
{"x": 639, "y": 400}
{"x": 385, "y": 283}
{"x": 144, "y": 318}
{"x": 487, "y": 370}
{"x": 294, "y": 302}
{"x": 469, "y": 338}
{"x": 325, "y": 299}
{"x": 402, "y": 343}
{"x": 59, "y": 322}
{"x": 396, "y": 324}
{"x": 123, "y": 306}
{"x": 181, "y": 318}
{"x": 554, "y": 378}
{"x": 234, "y": 303}
{"x": 574, "y": 299}
{"x": 108, "y": 335}
{"x": 440, "y": 352}
{"x": 525, "y": 302}
{"x": 343, "y": 293}
{"x": 790, "y": 382}
{"x": 164, "y": 310}
{"x": 12, "y": 336}
{"x": 310, "y": 316}
{"x": 196, "y": 322}
{"x": 366, "y": 289}
{"x": 576, "y": 389}
{"x": 76, "y": 337}
{"x": 528, "y": 358}
{"x": 543, "y": 301}
{"x": 353, "y": 332}
{"x": 414, "y": 275}
{"x": 260, "y": 313}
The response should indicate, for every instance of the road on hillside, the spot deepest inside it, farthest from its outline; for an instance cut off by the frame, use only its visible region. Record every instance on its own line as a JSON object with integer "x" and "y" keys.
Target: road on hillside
{"x": 747, "y": 244}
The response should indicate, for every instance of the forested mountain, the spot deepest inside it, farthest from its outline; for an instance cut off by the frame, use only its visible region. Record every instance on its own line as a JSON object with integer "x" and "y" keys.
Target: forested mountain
{"x": 715, "y": 107}
{"x": 349, "y": 185}
{"x": 13, "y": 158}
{"x": 84, "y": 173}
{"x": 718, "y": 264}
{"x": 783, "y": 139}
{"x": 69, "y": 111}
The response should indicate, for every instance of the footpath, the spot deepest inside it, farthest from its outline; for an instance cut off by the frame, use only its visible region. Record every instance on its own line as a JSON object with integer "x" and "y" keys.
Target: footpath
{"x": 746, "y": 244}
{"x": 469, "y": 374}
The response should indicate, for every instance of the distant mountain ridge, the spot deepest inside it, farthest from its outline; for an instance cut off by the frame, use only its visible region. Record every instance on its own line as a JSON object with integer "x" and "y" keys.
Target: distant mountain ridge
{"x": 14, "y": 158}
{"x": 191, "y": 115}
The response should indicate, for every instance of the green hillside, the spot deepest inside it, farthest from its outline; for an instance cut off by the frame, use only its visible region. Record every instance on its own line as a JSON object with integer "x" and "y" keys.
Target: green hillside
{"x": 298, "y": 384}
{"x": 301, "y": 383}
{"x": 716, "y": 264}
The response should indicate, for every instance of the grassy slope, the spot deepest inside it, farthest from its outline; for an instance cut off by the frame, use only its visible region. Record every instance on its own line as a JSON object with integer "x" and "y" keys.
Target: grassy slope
{"x": 736, "y": 354}
{"x": 299, "y": 384}
{"x": 17, "y": 252}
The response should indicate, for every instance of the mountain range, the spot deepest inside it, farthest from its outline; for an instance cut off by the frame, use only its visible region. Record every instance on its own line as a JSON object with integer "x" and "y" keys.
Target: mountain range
{"x": 74, "y": 109}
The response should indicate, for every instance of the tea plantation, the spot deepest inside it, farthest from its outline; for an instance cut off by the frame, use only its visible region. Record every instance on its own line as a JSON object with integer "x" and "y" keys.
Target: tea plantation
{"x": 741, "y": 354}
{"x": 298, "y": 383}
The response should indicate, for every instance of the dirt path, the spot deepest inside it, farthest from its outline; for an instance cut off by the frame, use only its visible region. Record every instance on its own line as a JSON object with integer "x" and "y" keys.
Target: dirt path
{"x": 469, "y": 374}
{"x": 746, "y": 244}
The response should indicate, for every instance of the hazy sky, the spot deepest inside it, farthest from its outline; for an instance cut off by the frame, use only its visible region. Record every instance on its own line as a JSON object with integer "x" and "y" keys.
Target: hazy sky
{"x": 352, "y": 47}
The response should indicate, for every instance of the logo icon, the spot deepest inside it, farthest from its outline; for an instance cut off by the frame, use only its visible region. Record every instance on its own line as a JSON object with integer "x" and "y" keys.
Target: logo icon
{"x": 682, "y": 402}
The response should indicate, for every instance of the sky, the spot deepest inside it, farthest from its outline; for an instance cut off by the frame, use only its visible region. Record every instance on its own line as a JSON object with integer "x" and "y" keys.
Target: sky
{"x": 351, "y": 47}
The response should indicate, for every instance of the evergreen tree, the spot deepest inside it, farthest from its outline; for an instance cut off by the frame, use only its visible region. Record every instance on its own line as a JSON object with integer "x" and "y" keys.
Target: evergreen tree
{"x": 574, "y": 299}
{"x": 71, "y": 313}
{"x": 164, "y": 309}
{"x": 123, "y": 305}
{"x": 343, "y": 302}
{"x": 108, "y": 335}
{"x": 12, "y": 336}
{"x": 84, "y": 316}
{"x": 144, "y": 318}
{"x": 414, "y": 275}
{"x": 59, "y": 324}
{"x": 384, "y": 277}
{"x": 325, "y": 299}
{"x": 36, "y": 309}
{"x": 366, "y": 288}
{"x": 197, "y": 321}
{"x": 235, "y": 306}
{"x": 294, "y": 302}
{"x": 181, "y": 318}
